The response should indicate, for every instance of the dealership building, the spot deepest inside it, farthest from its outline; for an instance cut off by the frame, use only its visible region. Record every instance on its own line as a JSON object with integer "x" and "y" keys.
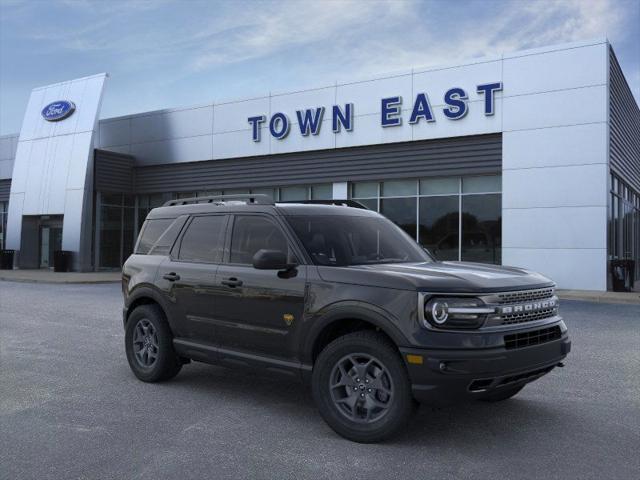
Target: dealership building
{"x": 529, "y": 159}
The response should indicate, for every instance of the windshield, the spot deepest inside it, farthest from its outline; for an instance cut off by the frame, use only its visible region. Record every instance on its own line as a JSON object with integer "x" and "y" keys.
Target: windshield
{"x": 340, "y": 240}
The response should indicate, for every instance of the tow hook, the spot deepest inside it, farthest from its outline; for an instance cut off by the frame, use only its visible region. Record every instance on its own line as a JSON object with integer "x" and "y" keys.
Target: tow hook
{"x": 560, "y": 364}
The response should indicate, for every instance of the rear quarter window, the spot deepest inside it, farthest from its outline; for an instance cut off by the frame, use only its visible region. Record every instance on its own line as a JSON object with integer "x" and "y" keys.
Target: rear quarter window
{"x": 151, "y": 232}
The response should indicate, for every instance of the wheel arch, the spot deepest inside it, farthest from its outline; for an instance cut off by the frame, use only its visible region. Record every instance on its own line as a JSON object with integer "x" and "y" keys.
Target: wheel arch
{"x": 348, "y": 318}
{"x": 144, "y": 295}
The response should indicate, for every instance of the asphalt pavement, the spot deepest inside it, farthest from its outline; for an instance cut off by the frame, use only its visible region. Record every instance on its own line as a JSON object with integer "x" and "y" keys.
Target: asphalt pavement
{"x": 71, "y": 409}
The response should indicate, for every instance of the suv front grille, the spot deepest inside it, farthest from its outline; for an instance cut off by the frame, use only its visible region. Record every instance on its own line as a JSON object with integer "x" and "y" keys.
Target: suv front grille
{"x": 527, "y": 297}
{"x": 535, "y": 337}
{"x": 524, "y": 296}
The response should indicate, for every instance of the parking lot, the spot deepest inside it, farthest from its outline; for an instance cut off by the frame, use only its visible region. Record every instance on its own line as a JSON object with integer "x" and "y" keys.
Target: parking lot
{"x": 70, "y": 408}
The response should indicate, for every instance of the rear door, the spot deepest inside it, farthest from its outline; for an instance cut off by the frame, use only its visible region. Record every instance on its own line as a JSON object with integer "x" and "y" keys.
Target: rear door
{"x": 188, "y": 276}
{"x": 258, "y": 311}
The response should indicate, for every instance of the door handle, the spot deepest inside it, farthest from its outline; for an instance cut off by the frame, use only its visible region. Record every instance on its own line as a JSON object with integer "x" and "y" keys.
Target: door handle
{"x": 232, "y": 282}
{"x": 172, "y": 277}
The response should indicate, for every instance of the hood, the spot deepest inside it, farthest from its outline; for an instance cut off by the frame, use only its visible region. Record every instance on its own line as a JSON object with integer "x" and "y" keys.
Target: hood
{"x": 453, "y": 277}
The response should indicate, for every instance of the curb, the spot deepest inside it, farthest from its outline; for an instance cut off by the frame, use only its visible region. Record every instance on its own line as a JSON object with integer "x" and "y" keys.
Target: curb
{"x": 58, "y": 282}
{"x": 631, "y": 299}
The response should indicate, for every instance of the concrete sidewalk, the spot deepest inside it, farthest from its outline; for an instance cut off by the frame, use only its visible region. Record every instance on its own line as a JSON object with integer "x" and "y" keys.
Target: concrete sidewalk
{"x": 49, "y": 276}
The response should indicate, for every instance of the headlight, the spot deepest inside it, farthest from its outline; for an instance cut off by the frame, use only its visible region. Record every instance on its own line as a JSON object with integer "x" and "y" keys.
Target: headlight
{"x": 452, "y": 312}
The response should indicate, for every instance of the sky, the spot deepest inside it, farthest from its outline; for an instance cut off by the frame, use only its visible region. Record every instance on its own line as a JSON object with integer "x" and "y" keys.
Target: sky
{"x": 172, "y": 53}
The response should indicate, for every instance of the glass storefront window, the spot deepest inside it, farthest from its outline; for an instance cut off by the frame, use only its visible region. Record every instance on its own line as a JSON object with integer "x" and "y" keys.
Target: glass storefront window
{"x": 439, "y": 226}
{"x": 433, "y": 210}
{"x": 402, "y": 212}
{"x": 370, "y": 203}
{"x": 483, "y": 184}
{"x": 439, "y": 186}
{"x": 289, "y": 194}
{"x": 116, "y": 229}
{"x": 624, "y": 229}
{"x": 272, "y": 192}
{"x": 364, "y": 190}
{"x": 481, "y": 228}
{"x": 322, "y": 192}
{"x": 398, "y": 188}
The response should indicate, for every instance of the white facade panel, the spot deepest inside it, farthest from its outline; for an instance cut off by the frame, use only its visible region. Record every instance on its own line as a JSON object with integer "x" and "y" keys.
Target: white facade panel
{"x": 114, "y": 132}
{"x": 577, "y": 185}
{"x": 475, "y": 122}
{"x": 573, "y": 145}
{"x": 143, "y": 128}
{"x": 8, "y": 145}
{"x": 72, "y": 221}
{"x": 291, "y": 102}
{"x": 229, "y": 144}
{"x": 30, "y": 125}
{"x": 14, "y": 219}
{"x": 76, "y": 153}
{"x": 56, "y": 158}
{"x": 562, "y": 227}
{"x": 570, "y": 268}
{"x": 436, "y": 82}
{"x": 367, "y": 131}
{"x": 554, "y": 109}
{"x": 296, "y": 142}
{"x": 366, "y": 96}
{"x": 190, "y": 122}
{"x": 6, "y": 169}
{"x": 189, "y": 149}
{"x": 35, "y": 176}
{"x": 61, "y": 168}
{"x": 559, "y": 70}
{"x": 232, "y": 117}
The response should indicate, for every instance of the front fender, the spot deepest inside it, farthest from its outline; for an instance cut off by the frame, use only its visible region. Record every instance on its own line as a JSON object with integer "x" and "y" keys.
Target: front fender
{"x": 356, "y": 310}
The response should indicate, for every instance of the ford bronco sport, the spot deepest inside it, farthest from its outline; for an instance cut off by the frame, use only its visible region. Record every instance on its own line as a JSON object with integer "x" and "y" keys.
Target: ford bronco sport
{"x": 339, "y": 297}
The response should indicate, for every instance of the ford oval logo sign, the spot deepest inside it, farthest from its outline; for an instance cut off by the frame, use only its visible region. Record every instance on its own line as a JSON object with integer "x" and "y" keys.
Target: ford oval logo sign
{"x": 56, "y": 111}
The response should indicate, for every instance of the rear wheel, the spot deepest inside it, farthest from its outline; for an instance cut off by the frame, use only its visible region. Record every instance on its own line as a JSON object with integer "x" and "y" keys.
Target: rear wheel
{"x": 361, "y": 387}
{"x": 502, "y": 394}
{"x": 149, "y": 345}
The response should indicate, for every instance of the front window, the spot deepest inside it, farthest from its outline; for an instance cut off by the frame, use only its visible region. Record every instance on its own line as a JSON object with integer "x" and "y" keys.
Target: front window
{"x": 252, "y": 233}
{"x": 341, "y": 240}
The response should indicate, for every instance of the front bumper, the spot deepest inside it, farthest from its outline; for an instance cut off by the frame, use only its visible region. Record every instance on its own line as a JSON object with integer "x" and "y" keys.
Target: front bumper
{"x": 448, "y": 376}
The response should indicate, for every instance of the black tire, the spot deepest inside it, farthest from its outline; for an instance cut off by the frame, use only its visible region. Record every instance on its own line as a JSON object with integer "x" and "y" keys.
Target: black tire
{"x": 378, "y": 412}
{"x": 502, "y": 394}
{"x": 153, "y": 334}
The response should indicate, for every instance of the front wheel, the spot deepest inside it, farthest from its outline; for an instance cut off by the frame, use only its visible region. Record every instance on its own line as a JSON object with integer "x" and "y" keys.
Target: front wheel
{"x": 149, "y": 345}
{"x": 361, "y": 387}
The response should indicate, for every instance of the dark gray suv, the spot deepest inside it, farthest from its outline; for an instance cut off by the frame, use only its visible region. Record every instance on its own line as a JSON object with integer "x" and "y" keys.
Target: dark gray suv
{"x": 339, "y": 297}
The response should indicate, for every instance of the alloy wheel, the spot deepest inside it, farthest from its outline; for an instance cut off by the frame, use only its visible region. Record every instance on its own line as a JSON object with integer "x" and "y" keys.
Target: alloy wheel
{"x": 361, "y": 388}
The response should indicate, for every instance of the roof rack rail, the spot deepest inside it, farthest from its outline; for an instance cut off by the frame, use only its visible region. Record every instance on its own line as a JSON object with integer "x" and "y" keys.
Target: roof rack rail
{"x": 342, "y": 203}
{"x": 257, "y": 199}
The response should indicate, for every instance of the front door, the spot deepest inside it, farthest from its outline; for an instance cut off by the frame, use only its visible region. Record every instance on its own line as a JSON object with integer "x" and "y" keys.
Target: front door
{"x": 257, "y": 311}
{"x": 50, "y": 241}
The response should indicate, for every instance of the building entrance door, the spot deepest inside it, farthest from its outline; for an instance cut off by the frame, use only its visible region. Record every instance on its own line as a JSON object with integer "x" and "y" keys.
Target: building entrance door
{"x": 50, "y": 241}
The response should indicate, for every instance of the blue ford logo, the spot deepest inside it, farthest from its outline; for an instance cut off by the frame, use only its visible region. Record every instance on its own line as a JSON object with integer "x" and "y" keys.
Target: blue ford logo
{"x": 59, "y": 110}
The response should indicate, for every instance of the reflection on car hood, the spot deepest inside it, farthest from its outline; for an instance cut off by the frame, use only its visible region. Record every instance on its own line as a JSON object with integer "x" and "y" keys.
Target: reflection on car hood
{"x": 454, "y": 277}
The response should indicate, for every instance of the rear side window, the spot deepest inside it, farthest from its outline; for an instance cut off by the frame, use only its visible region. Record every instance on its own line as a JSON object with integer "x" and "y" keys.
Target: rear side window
{"x": 167, "y": 239}
{"x": 151, "y": 231}
{"x": 253, "y": 233}
{"x": 204, "y": 239}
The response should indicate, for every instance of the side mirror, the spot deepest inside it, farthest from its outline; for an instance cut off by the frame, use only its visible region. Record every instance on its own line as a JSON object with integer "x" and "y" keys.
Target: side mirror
{"x": 271, "y": 260}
